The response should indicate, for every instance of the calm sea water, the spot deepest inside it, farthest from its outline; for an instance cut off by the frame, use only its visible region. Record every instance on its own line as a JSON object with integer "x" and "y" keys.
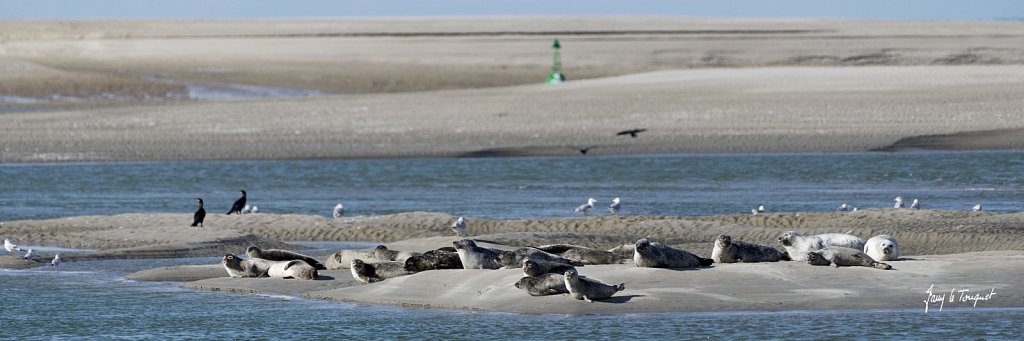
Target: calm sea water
{"x": 522, "y": 187}
{"x": 92, "y": 300}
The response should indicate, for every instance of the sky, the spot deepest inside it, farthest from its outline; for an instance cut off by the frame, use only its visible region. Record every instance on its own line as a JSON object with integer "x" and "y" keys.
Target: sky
{"x": 189, "y": 9}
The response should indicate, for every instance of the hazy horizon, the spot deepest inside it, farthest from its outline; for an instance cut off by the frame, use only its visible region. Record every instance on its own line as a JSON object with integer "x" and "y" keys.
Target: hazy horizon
{"x": 238, "y": 9}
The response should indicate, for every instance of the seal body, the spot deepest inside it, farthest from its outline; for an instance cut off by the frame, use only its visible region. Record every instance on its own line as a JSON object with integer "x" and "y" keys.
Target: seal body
{"x": 843, "y": 256}
{"x": 882, "y": 248}
{"x": 282, "y": 255}
{"x": 295, "y": 268}
{"x": 539, "y": 267}
{"x": 649, "y": 254}
{"x": 514, "y": 259}
{"x": 433, "y": 260}
{"x": 543, "y": 285}
{"x": 382, "y": 253}
{"x": 375, "y": 272}
{"x": 238, "y": 267}
{"x": 475, "y": 257}
{"x": 728, "y": 251}
{"x": 588, "y": 289}
{"x": 798, "y": 245}
{"x": 343, "y": 259}
{"x": 582, "y": 254}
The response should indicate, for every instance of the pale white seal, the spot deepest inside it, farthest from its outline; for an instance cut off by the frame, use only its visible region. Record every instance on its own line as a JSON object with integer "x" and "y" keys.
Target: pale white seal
{"x": 837, "y": 256}
{"x": 798, "y": 245}
{"x": 882, "y": 248}
{"x": 295, "y": 268}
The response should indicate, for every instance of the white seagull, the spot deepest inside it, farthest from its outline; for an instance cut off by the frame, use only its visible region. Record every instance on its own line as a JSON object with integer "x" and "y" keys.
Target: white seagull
{"x": 28, "y": 255}
{"x": 55, "y": 262}
{"x": 915, "y": 205}
{"x": 339, "y": 210}
{"x": 255, "y": 209}
{"x": 459, "y": 227}
{"x": 759, "y": 209}
{"x": 844, "y": 207}
{"x": 615, "y": 206}
{"x": 898, "y": 202}
{"x": 246, "y": 209}
{"x": 976, "y": 208}
{"x": 10, "y": 247}
{"x": 586, "y": 207}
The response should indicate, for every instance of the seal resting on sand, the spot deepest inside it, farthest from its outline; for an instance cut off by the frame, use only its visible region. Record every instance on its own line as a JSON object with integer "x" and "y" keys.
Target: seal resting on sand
{"x": 543, "y": 285}
{"x": 295, "y": 268}
{"x": 514, "y": 259}
{"x": 882, "y": 248}
{"x": 837, "y": 256}
{"x": 582, "y": 288}
{"x": 238, "y": 267}
{"x": 382, "y": 253}
{"x": 434, "y": 260}
{"x": 655, "y": 255}
{"x": 375, "y": 272}
{"x": 798, "y": 245}
{"x": 343, "y": 259}
{"x": 728, "y": 251}
{"x": 539, "y": 267}
{"x": 282, "y": 255}
{"x": 582, "y": 254}
{"x": 475, "y": 257}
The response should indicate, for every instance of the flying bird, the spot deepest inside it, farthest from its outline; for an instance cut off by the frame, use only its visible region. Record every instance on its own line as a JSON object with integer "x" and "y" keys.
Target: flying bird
{"x": 239, "y": 204}
{"x": 339, "y": 210}
{"x": 459, "y": 227}
{"x": 615, "y": 206}
{"x": 631, "y": 132}
{"x": 584, "y": 150}
{"x": 585, "y": 207}
{"x": 197, "y": 219}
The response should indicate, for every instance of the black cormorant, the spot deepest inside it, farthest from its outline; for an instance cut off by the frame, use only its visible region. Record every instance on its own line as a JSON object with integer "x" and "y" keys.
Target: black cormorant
{"x": 239, "y": 204}
{"x": 200, "y": 214}
{"x": 631, "y": 132}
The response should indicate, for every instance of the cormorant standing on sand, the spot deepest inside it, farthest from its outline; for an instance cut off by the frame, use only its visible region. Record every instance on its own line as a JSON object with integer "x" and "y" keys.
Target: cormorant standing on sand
{"x": 237, "y": 207}
{"x": 200, "y": 214}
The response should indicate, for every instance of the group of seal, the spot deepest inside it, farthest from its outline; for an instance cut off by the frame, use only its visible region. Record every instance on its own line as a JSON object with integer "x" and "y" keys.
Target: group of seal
{"x": 272, "y": 263}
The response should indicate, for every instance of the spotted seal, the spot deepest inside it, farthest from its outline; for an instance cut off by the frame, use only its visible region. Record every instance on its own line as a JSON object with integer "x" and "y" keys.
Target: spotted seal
{"x": 282, "y": 255}
{"x": 728, "y": 251}
{"x": 539, "y": 267}
{"x": 582, "y": 288}
{"x": 649, "y": 254}
{"x": 882, "y": 248}
{"x": 514, "y": 259}
{"x": 475, "y": 257}
{"x": 837, "y": 256}
{"x": 382, "y": 253}
{"x": 434, "y": 260}
{"x": 543, "y": 285}
{"x": 798, "y": 245}
{"x": 582, "y": 254}
{"x": 238, "y": 267}
{"x": 343, "y": 259}
{"x": 295, "y": 268}
{"x": 375, "y": 272}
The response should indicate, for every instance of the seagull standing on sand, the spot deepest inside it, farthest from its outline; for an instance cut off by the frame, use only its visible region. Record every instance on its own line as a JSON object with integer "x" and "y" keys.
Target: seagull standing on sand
{"x": 615, "y": 206}
{"x": 255, "y": 209}
{"x": 10, "y": 247}
{"x": 28, "y": 255}
{"x": 459, "y": 227}
{"x": 915, "y": 205}
{"x": 898, "y": 202}
{"x": 759, "y": 209}
{"x": 844, "y": 207}
{"x": 976, "y": 208}
{"x": 586, "y": 207}
{"x": 339, "y": 210}
{"x": 55, "y": 262}
{"x": 246, "y": 210}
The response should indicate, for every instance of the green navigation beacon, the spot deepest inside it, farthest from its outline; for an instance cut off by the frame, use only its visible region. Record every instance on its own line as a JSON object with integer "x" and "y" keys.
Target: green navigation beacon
{"x": 556, "y": 75}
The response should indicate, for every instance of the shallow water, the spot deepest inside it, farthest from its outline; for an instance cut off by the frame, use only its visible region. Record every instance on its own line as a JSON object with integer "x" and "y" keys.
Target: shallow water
{"x": 505, "y": 188}
{"x": 92, "y": 299}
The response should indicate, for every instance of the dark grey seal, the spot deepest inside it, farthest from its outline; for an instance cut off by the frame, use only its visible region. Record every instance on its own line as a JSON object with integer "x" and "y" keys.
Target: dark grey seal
{"x": 728, "y": 251}
{"x": 543, "y": 285}
{"x": 655, "y": 255}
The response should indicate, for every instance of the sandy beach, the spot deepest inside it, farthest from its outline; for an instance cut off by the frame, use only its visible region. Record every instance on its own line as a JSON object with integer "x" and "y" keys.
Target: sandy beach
{"x": 117, "y": 90}
{"x": 122, "y": 90}
{"x": 977, "y": 251}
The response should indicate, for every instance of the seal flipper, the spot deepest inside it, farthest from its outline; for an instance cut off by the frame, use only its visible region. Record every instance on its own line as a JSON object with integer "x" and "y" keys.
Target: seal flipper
{"x": 785, "y": 256}
{"x": 705, "y": 261}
